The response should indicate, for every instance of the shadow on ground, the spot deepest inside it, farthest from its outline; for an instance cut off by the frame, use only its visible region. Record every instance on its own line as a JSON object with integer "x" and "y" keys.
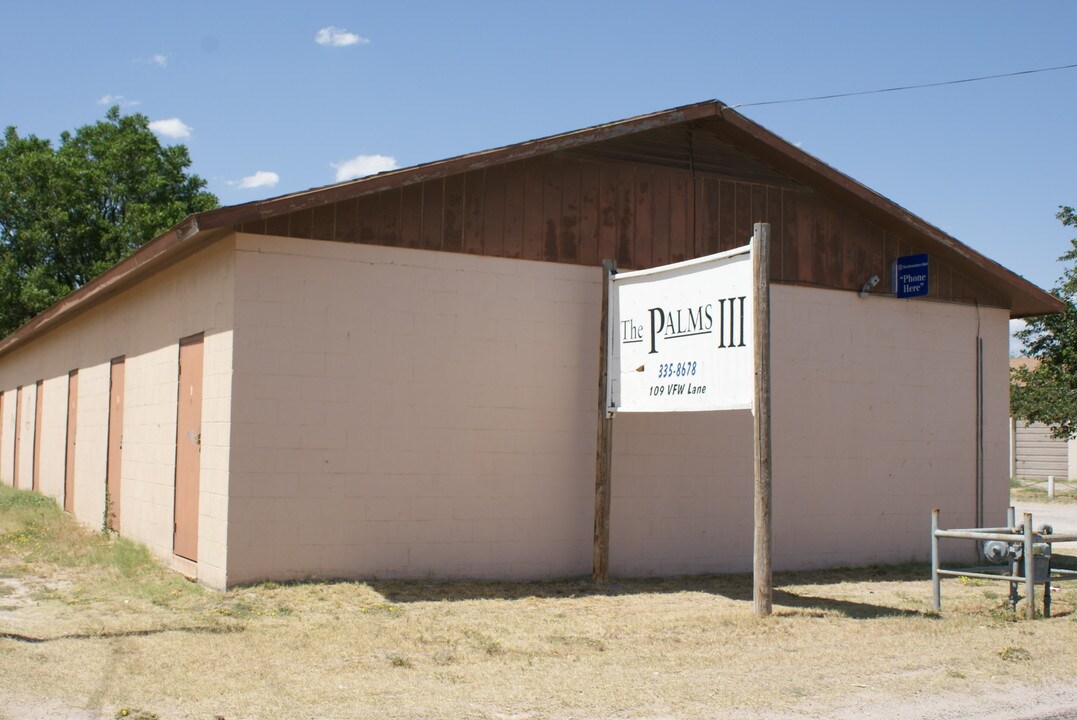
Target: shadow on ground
{"x": 199, "y": 629}
{"x": 734, "y": 587}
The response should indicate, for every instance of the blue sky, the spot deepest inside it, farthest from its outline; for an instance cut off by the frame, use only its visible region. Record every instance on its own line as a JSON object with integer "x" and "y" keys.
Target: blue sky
{"x": 251, "y": 91}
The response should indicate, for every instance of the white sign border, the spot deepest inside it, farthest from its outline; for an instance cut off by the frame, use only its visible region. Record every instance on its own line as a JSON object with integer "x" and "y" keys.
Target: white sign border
{"x": 611, "y": 410}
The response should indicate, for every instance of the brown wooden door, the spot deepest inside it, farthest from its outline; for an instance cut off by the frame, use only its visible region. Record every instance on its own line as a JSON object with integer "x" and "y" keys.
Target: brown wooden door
{"x": 36, "y": 482}
{"x": 1, "y": 428}
{"x": 115, "y": 445}
{"x": 18, "y": 436}
{"x": 69, "y": 459}
{"x": 188, "y": 447}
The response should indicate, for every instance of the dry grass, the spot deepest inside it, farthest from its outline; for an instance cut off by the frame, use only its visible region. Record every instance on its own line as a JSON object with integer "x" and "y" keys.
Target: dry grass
{"x": 85, "y": 630}
{"x": 1036, "y": 491}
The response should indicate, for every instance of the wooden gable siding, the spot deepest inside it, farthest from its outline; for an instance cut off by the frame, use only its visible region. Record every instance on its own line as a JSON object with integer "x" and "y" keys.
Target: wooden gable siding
{"x": 644, "y": 200}
{"x": 686, "y": 147}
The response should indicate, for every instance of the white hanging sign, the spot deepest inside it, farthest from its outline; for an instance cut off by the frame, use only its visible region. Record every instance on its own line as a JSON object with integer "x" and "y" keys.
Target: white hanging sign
{"x": 680, "y": 336}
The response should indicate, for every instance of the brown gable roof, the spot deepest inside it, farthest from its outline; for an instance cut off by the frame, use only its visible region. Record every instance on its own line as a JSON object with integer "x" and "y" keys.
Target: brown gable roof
{"x": 198, "y": 230}
{"x": 261, "y": 209}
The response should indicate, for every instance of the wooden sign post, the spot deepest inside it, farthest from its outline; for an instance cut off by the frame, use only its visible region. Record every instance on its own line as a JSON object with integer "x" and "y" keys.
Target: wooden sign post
{"x": 762, "y": 581}
{"x": 604, "y": 454}
{"x": 739, "y": 371}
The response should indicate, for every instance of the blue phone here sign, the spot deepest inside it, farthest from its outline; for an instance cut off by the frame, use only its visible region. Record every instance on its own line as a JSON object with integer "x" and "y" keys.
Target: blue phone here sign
{"x": 911, "y": 276}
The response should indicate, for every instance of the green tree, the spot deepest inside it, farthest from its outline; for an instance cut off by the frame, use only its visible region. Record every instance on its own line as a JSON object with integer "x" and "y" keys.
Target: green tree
{"x": 69, "y": 213}
{"x": 1048, "y": 392}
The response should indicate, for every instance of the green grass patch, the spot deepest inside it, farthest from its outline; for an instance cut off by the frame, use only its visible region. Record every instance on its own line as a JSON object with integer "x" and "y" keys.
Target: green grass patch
{"x": 35, "y": 534}
{"x": 33, "y": 529}
{"x": 497, "y": 646}
{"x": 1036, "y": 491}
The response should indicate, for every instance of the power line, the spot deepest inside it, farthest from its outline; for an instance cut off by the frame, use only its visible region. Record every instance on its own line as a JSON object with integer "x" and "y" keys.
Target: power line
{"x": 903, "y": 87}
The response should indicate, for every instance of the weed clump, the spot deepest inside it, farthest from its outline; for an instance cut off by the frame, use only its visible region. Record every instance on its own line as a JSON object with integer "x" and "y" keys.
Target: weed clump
{"x": 399, "y": 661}
{"x": 1012, "y": 653}
{"x": 380, "y": 608}
{"x": 489, "y": 645}
{"x": 135, "y": 714}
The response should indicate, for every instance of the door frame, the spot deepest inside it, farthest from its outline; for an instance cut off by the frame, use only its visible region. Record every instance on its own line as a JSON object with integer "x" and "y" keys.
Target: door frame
{"x": 18, "y": 438}
{"x": 39, "y": 397}
{"x": 113, "y": 475}
{"x": 70, "y": 440}
{"x": 190, "y": 555}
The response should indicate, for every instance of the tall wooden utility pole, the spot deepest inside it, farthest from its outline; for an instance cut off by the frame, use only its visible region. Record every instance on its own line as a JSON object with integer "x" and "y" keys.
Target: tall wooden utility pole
{"x": 604, "y": 454}
{"x": 762, "y": 585}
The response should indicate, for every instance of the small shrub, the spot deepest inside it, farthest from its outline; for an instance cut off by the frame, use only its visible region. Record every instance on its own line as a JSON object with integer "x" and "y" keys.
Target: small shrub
{"x": 489, "y": 645}
{"x": 400, "y": 661}
{"x": 444, "y": 657}
{"x": 237, "y": 610}
{"x": 1004, "y": 612}
{"x": 135, "y": 714}
{"x": 380, "y": 608}
{"x": 1012, "y": 653}
{"x": 581, "y": 641}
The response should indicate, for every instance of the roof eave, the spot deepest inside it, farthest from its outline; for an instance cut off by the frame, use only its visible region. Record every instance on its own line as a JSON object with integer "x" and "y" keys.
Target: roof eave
{"x": 1027, "y": 299}
{"x": 201, "y": 229}
{"x": 171, "y": 246}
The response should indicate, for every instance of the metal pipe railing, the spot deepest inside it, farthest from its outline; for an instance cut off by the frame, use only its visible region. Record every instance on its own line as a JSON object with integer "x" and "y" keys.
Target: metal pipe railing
{"x": 1030, "y": 571}
{"x": 1013, "y": 535}
{"x": 936, "y": 580}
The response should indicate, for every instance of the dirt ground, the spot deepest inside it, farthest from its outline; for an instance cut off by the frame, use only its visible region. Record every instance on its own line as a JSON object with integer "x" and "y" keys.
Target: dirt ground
{"x": 1051, "y": 703}
{"x": 91, "y": 627}
{"x": 847, "y": 645}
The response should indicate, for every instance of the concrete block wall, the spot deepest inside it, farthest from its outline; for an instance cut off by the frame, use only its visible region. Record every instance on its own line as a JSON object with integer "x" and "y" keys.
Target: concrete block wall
{"x": 91, "y": 444}
{"x": 398, "y": 412}
{"x": 144, "y": 324}
{"x": 7, "y": 436}
{"x": 25, "y": 472}
{"x": 682, "y": 493}
{"x": 214, "y": 460}
{"x": 54, "y": 437}
{"x": 874, "y": 415}
{"x": 410, "y": 413}
{"x": 873, "y": 418}
{"x": 149, "y": 446}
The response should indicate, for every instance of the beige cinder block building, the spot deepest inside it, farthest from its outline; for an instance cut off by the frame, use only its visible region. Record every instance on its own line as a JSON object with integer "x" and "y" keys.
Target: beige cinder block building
{"x": 397, "y": 376}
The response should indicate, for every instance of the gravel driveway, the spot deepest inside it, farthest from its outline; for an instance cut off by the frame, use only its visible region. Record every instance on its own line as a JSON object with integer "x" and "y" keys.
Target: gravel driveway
{"x": 1062, "y": 516}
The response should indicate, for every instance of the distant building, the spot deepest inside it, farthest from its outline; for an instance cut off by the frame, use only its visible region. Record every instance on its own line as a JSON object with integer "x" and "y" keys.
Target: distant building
{"x": 397, "y": 376}
{"x": 1034, "y": 453}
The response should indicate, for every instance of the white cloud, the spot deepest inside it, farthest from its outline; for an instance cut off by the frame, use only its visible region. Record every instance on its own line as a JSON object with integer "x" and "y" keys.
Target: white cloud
{"x": 262, "y": 178}
{"x": 172, "y": 128}
{"x": 1016, "y": 346}
{"x": 117, "y": 100}
{"x": 155, "y": 59}
{"x": 363, "y": 165}
{"x": 338, "y": 37}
